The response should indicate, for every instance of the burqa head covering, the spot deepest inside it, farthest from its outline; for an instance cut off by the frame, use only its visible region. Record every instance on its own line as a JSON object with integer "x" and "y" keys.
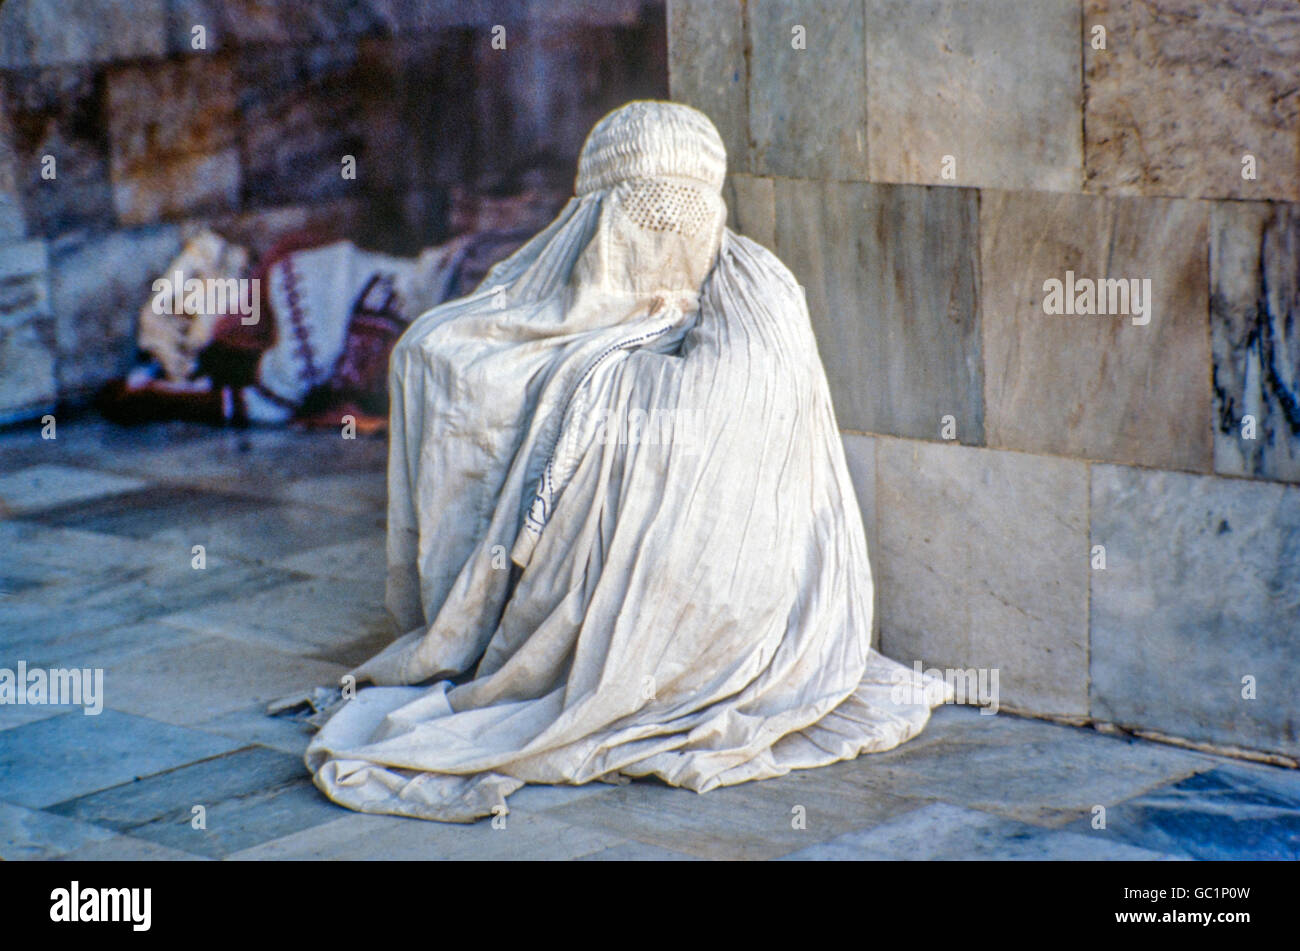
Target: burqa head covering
{"x": 659, "y": 168}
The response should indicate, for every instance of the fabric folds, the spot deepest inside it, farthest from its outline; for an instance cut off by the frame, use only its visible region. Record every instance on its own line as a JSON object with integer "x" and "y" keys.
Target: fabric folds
{"x": 622, "y": 537}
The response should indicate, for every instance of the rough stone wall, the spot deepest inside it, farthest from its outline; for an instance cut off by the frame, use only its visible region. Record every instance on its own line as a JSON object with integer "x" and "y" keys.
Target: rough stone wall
{"x": 150, "y": 136}
{"x": 925, "y": 167}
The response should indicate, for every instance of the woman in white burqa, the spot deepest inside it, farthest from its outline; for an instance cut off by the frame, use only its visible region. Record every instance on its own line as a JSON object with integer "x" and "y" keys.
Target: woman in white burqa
{"x": 621, "y": 532}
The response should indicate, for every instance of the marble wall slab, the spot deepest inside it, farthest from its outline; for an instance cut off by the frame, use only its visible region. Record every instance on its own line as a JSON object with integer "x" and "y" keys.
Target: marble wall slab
{"x": 241, "y": 23}
{"x": 891, "y": 274}
{"x": 99, "y": 282}
{"x": 1096, "y": 387}
{"x": 558, "y": 80}
{"x": 707, "y": 68}
{"x": 983, "y": 562}
{"x": 236, "y": 23}
{"x": 585, "y": 12}
{"x": 52, "y": 32}
{"x": 56, "y": 112}
{"x": 1255, "y": 328}
{"x": 24, "y": 275}
{"x": 299, "y": 115}
{"x": 751, "y": 207}
{"x": 27, "y": 362}
{"x": 1201, "y": 589}
{"x": 808, "y": 106}
{"x": 1184, "y": 89}
{"x": 27, "y": 347}
{"x": 939, "y": 832}
{"x": 993, "y": 84}
{"x": 12, "y": 223}
{"x": 173, "y": 134}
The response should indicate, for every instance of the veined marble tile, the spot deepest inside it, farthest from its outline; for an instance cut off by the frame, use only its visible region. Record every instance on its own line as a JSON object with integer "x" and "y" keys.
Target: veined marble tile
{"x": 941, "y": 832}
{"x": 891, "y": 274}
{"x": 249, "y": 462}
{"x": 91, "y": 442}
{"x": 152, "y": 510}
{"x": 760, "y": 820}
{"x": 1029, "y": 770}
{"x": 993, "y": 85}
{"x": 125, "y": 848}
{"x": 707, "y": 68}
{"x": 206, "y": 677}
{"x": 228, "y": 526}
{"x": 365, "y": 559}
{"x": 67, "y": 641}
{"x": 52, "y": 555}
{"x": 346, "y": 491}
{"x": 1184, "y": 90}
{"x": 41, "y": 487}
{"x": 1199, "y": 605}
{"x": 331, "y": 619}
{"x": 252, "y": 726}
{"x": 1237, "y": 811}
{"x": 375, "y": 838}
{"x": 248, "y": 797}
{"x": 48, "y": 618}
{"x": 1109, "y": 387}
{"x": 635, "y": 852}
{"x": 61, "y": 757}
{"x": 1255, "y": 327}
{"x": 983, "y": 561}
{"x": 807, "y": 88}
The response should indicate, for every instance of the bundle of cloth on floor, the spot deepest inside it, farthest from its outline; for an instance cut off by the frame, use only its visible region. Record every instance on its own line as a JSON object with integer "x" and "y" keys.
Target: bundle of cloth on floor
{"x": 305, "y": 335}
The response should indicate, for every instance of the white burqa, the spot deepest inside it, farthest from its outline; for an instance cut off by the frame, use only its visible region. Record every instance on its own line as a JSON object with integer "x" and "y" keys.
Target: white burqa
{"x": 618, "y": 497}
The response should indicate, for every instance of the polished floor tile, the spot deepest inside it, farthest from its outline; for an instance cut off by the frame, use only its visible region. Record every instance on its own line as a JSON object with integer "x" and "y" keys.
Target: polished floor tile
{"x": 96, "y": 571}
{"x": 943, "y": 831}
{"x": 36, "y": 834}
{"x": 375, "y": 838}
{"x": 331, "y": 619}
{"x": 48, "y": 486}
{"x": 1029, "y": 770}
{"x": 73, "y": 754}
{"x": 247, "y": 797}
{"x": 1235, "y": 811}
{"x": 207, "y": 677}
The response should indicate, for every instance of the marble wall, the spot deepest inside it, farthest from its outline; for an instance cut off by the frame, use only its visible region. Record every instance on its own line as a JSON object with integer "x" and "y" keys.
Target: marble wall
{"x": 152, "y": 134}
{"x": 1100, "y": 500}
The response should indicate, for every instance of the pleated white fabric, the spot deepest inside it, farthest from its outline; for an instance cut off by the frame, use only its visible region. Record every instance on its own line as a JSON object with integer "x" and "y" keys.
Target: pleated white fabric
{"x": 618, "y": 496}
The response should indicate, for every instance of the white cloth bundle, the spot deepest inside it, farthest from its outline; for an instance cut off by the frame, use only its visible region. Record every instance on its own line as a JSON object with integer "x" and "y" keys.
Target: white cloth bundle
{"x": 616, "y": 486}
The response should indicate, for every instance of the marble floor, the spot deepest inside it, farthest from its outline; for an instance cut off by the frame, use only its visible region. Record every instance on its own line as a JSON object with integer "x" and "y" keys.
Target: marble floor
{"x": 98, "y": 529}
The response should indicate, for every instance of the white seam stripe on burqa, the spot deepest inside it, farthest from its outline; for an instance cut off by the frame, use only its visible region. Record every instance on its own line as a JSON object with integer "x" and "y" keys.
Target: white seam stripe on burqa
{"x": 618, "y": 496}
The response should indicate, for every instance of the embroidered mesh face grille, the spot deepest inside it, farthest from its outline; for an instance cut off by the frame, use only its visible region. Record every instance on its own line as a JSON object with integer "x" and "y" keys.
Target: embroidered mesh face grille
{"x": 667, "y": 206}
